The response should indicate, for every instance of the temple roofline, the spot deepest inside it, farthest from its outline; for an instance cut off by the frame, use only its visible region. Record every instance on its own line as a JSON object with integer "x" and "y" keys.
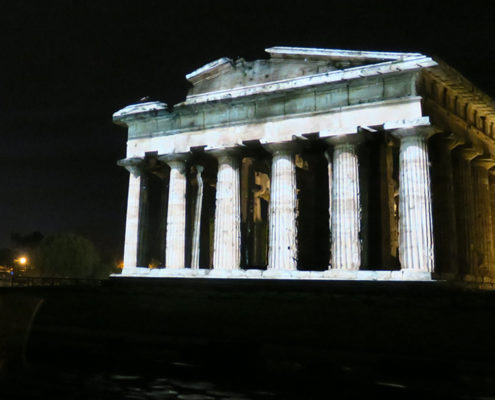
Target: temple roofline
{"x": 387, "y": 67}
{"x": 336, "y": 54}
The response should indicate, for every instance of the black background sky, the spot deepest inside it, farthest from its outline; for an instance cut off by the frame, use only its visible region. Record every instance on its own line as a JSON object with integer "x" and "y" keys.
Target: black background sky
{"x": 66, "y": 66}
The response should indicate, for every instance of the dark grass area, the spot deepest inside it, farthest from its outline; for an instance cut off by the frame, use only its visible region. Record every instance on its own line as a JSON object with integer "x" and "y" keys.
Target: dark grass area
{"x": 290, "y": 337}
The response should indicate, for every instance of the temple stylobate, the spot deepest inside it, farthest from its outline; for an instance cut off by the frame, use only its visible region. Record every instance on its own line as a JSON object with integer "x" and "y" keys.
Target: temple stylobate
{"x": 314, "y": 164}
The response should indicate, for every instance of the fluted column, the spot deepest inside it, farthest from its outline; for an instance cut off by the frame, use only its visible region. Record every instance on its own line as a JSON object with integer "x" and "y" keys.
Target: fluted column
{"x": 415, "y": 209}
{"x": 444, "y": 206}
{"x": 176, "y": 214}
{"x": 134, "y": 203}
{"x": 282, "y": 237}
{"x": 483, "y": 218}
{"x": 464, "y": 198}
{"x": 329, "y": 157}
{"x": 197, "y": 219}
{"x": 346, "y": 209}
{"x": 227, "y": 236}
{"x": 491, "y": 177}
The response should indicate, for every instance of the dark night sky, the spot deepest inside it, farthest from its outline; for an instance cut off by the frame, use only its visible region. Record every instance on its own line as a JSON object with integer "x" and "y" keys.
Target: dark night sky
{"x": 66, "y": 66}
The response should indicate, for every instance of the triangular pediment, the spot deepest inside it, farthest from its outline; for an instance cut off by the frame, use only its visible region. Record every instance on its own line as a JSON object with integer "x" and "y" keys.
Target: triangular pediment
{"x": 285, "y": 64}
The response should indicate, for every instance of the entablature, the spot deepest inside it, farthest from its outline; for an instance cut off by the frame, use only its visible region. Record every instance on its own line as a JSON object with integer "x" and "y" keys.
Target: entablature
{"x": 289, "y": 68}
{"x": 312, "y": 100}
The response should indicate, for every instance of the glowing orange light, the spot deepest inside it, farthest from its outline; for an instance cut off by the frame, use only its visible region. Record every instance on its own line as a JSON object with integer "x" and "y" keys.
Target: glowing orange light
{"x": 22, "y": 260}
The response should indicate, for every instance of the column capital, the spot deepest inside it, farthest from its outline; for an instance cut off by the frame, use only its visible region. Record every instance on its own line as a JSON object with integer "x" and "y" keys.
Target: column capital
{"x": 423, "y": 132}
{"x": 219, "y": 152}
{"x": 470, "y": 153}
{"x": 134, "y": 165}
{"x": 486, "y": 163}
{"x": 351, "y": 138}
{"x": 199, "y": 168}
{"x": 452, "y": 141}
{"x": 404, "y": 129}
{"x": 282, "y": 147}
{"x": 328, "y": 153}
{"x": 411, "y": 128}
{"x": 174, "y": 157}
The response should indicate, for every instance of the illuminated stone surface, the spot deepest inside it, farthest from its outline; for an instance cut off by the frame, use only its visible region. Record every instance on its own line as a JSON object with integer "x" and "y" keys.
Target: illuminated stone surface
{"x": 227, "y": 250}
{"x": 132, "y": 218}
{"x": 282, "y": 247}
{"x": 345, "y": 220}
{"x": 415, "y": 212}
{"x": 312, "y": 102}
{"x": 176, "y": 216}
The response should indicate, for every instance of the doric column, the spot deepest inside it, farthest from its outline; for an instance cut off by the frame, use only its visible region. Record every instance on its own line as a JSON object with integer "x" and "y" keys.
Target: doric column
{"x": 483, "y": 218}
{"x": 227, "y": 236}
{"x": 134, "y": 205}
{"x": 444, "y": 207}
{"x": 389, "y": 185}
{"x": 329, "y": 157}
{"x": 282, "y": 237}
{"x": 197, "y": 219}
{"x": 415, "y": 209}
{"x": 463, "y": 187}
{"x": 491, "y": 177}
{"x": 176, "y": 214}
{"x": 346, "y": 209}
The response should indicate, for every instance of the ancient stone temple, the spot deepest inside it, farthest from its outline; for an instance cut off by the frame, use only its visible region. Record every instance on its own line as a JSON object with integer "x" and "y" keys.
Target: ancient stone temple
{"x": 314, "y": 164}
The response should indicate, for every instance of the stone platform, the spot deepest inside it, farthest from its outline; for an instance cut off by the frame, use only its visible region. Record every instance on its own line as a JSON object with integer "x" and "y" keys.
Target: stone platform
{"x": 467, "y": 281}
{"x": 331, "y": 274}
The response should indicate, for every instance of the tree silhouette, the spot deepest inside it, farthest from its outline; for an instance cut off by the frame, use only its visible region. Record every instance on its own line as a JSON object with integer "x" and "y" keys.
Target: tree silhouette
{"x": 69, "y": 256}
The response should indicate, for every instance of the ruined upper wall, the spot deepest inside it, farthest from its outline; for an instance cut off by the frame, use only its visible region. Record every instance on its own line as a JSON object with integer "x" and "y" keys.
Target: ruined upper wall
{"x": 284, "y": 65}
{"x": 243, "y": 73}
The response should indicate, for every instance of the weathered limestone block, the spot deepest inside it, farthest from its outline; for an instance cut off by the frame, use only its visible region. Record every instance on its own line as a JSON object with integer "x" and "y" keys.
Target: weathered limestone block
{"x": 282, "y": 241}
{"x": 345, "y": 213}
{"x": 176, "y": 215}
{"x": 227, "y": 238}
{"x": 132, "y": 226}
{"x": 415, "y": 209}
{"x": 484, "y": 243}
{"x": 197, "y": 219}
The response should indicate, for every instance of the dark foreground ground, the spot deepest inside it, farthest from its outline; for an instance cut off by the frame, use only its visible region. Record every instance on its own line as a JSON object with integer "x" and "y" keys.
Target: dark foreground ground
{"x": 240, "y": 339}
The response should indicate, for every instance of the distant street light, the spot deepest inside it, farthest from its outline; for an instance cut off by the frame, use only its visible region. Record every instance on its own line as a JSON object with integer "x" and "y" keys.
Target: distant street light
{"x": 22, "y": 264}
